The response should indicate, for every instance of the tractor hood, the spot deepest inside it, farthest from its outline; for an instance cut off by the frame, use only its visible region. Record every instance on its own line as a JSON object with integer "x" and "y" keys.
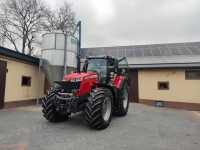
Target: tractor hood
{"x": 78, "y": 76}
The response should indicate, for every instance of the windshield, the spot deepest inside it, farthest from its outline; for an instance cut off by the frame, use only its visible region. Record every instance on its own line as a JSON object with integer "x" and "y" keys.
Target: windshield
{"x": 97, "y": 65}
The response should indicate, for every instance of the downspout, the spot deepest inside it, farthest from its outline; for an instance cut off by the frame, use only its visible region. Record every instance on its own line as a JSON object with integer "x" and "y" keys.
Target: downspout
{"x": 79, "y": 48}
{"x": 65, "y": 58}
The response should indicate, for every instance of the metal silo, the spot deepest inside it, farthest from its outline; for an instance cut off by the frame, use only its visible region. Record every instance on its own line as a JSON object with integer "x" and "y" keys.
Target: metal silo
{"x": 58, "y": 52}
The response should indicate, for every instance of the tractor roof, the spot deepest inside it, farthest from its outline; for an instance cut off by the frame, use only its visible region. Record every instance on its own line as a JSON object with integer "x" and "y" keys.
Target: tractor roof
{"x": 100, "y": 57}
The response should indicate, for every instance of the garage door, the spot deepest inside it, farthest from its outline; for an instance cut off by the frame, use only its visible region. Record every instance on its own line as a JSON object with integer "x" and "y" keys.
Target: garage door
{"x": 2, "y": 82}
{"x": 133, "y": 86}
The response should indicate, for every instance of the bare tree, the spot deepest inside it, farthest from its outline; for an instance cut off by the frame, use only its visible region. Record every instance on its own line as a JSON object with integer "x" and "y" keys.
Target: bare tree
{"x": 5, "y": 33}
{"x": 61, "y": 19}
{"x": 21, "y": 20}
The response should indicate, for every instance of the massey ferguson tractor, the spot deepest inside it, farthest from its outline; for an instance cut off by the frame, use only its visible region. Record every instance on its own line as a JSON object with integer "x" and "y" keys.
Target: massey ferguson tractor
{"x": 99, "y": 91}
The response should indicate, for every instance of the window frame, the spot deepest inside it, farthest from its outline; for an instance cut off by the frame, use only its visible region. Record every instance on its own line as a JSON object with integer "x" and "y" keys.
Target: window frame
{"x": 190, "y": 77}
{"x": 28, "y": 82}
{"x": 163, "y": 82}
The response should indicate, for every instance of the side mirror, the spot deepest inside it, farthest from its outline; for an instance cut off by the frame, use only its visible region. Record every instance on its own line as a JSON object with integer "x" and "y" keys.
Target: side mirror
{"x": 85, "y": 66}
{"x": 116, "y": 66}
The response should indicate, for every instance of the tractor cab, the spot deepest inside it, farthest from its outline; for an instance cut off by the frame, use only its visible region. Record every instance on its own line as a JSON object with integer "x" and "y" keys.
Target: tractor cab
{"x": 104, "y": 66}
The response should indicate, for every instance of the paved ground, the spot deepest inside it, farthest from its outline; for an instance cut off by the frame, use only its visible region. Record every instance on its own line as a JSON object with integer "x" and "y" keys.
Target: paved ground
{"x": 144, "y": 128}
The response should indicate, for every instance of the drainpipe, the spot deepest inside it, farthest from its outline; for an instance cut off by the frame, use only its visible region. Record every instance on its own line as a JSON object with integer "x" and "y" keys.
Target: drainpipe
{"x": 79, "y": 48}
{"x": 65, "y": 56}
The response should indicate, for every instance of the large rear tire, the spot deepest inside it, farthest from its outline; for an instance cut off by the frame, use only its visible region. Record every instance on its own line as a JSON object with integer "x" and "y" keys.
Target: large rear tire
{"x": 122, "y": 104}
{"x": 49, "y": 111}
{"x": 98, "y": 110}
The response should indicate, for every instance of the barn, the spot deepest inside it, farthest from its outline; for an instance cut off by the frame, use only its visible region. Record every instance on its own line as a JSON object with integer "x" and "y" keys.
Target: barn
{"x": 21, "y": 81}
{"x": 165, "y": 75}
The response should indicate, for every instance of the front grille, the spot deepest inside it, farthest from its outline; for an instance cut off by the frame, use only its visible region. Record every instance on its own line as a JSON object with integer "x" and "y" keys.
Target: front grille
{"x": 66, "y": 104}
{"x": 64, "y": 100}
{"x": 68, "y": 87}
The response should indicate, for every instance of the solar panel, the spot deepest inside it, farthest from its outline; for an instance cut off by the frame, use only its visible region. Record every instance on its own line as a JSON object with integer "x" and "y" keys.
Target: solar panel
{"x": 133, "y": 53}
{"x": 175, "y": 51}
{"x": 184, "y": 50}
{"x": 164, "y": 51}
{"x": 195, "y": 50}
{"x": 111, "y": 52}
{"x": 146, "y": 50}
{"x": 138, "y": 52}
{"x": 129, "y": 52}
{"x": 120, "y": 52}
{"x": 156, "y": 52}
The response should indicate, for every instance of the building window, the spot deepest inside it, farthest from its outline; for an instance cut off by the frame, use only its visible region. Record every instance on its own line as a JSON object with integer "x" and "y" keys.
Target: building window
{"x": 192, "y": 74}
{"x": 26, "y": 81}
{"x": 163, "y": 85}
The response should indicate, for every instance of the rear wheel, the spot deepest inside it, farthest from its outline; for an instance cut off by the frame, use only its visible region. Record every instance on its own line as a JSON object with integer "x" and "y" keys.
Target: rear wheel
{"x": 122, "y": 103}
{"x": 98, "y": 111}
{"x": 49, "y": 111}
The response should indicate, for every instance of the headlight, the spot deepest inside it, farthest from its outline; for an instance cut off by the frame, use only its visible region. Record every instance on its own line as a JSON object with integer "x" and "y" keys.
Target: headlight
{"x": 76, "y": 80}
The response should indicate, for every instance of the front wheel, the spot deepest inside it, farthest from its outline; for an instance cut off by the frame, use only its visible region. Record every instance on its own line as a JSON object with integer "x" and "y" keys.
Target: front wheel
{"x": 49, "y": 111}
{"x": 98, "y": 110}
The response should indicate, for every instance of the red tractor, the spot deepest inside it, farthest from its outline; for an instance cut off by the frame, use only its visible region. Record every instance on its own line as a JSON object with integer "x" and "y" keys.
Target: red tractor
{"x": 100, "y": 91}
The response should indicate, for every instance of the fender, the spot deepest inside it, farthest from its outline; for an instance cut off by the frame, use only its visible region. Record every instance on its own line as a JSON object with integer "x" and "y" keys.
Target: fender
{"x": 119, "y": 81}
{"x": 86, "y": 84}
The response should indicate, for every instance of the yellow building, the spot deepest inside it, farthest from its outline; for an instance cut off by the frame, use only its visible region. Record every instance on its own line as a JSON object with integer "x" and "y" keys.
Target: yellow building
{"x": 21, "y": 81}
{"x": 170, "y": 87}
{"x": 164, "y": 75}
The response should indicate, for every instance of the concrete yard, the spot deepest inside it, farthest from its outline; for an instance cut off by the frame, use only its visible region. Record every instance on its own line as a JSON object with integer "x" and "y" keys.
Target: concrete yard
{"x": 144, "y": 128}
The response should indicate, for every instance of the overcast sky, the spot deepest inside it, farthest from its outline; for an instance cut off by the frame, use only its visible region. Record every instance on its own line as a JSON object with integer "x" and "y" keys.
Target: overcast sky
{"x": 130, "y": 22}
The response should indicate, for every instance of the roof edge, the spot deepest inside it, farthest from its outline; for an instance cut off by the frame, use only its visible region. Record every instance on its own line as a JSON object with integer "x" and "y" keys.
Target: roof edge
{"x": 147, "y": 44}
{"x": 17, "y": 55}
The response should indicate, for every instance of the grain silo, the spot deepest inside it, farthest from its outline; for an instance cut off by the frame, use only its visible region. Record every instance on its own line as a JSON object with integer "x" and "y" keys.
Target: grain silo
{"x": 58, "y": 52}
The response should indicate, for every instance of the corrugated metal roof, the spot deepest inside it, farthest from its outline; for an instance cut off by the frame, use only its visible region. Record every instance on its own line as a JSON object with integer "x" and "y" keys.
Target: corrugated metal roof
{"x": 13, "y": 54}
{"x": 152, "y": 55}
